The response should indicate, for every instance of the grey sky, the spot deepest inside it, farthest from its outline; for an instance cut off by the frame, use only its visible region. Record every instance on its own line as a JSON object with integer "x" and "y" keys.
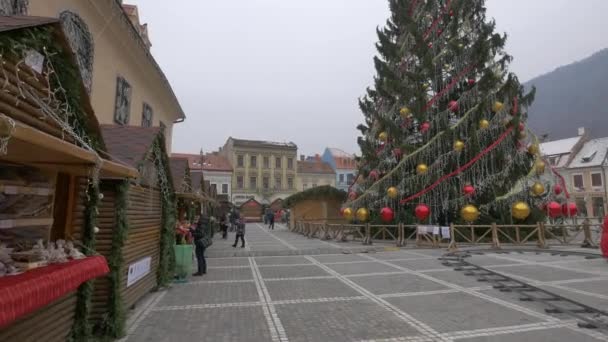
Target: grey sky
{"x": 293, "y": 69}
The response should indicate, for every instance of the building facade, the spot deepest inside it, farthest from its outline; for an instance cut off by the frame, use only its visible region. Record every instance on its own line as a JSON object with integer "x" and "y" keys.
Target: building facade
{"x": 214, "y": 168}
{"x": 112, "y": 49}
{"x": 314, "y": 172}
{"x": 344, "y": 166}
{"x": 263, "y": 170}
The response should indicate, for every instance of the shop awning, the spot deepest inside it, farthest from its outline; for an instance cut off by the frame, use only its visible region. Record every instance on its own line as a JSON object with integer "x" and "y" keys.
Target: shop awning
{"x": 25, "y": 293}
{"x": 30, "y": 146}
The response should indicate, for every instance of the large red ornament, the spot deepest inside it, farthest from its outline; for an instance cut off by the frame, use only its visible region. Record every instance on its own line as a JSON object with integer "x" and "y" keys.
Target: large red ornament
{"x": 557, "y": 189}
{"x": 522, "y": 127}
{"x": 374, "y": 175}
{"x": 387, "y": 215}
{"x": 554, "y": 209}
{"x": 397, "y": 153}
{"x": 352, "y": 196}
{"x": 471, "y": 82}
{"x": 422, "y": 212}
{"x": 342, "y": 212}
{"x": 468, "y": 190}
{"x": 453, "y": 106}
{"x": 569, "y": 209}
{"x": 425, "y": 127}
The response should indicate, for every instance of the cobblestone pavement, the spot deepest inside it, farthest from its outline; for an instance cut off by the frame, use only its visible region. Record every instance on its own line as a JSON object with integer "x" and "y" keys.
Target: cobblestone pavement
{"x": 405, "y": 295}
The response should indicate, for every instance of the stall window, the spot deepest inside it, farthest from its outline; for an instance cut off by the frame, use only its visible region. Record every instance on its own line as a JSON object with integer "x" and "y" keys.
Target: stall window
{"x": 224, "y": 188}
{"x": 239, "y": 182}
{"x": 146, "y": 116}
{"x": 122, "y": 106}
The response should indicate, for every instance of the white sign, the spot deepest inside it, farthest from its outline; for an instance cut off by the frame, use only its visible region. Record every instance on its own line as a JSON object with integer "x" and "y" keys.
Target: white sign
{"x": 138, "y": 270}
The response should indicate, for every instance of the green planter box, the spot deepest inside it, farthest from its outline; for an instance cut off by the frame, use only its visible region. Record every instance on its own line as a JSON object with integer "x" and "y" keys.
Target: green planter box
{"x": 183, "y": 261}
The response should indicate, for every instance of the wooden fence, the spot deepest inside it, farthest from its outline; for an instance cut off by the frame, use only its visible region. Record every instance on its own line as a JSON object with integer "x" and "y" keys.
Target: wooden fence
{"x": 586, "y": 233}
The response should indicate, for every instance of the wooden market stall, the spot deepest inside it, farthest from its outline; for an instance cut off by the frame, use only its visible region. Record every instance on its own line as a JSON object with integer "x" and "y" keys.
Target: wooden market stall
{"x": 187, "y": 200}
{"x": 50, "y": 144}
{"x": 251, "y": 210}
{"x": 321, "y": 204}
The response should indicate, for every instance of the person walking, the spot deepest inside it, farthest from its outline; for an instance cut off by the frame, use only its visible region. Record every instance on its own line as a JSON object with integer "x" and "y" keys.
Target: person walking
{"x": 240, "y": 232}
{"x": 271, "y": 221}
{"x": 224, "y": 227}
{"x": 199, "y": 236}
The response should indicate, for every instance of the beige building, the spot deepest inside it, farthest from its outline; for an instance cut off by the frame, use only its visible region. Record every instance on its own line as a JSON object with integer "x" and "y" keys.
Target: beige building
{"x": 314, "y": 172}
{"x": 263, "y": 170}
{"x": 112, "y": 48}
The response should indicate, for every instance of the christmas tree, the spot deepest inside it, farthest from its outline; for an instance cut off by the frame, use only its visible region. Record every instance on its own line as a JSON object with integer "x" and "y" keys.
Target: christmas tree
{"x": 444, "y": 138}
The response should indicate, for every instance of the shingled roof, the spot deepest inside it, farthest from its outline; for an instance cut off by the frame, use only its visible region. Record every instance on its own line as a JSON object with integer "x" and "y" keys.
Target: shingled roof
{"x": 179, "y": 173}
{"x": 261, "y": 143}
{"x": 129, "y": 144}
{"x": 315, "y": 166}
{"x": 211, "y": 161}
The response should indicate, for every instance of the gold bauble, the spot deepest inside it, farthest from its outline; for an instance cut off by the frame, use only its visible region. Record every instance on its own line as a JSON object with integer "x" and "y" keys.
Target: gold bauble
{"x": 469, "y": 213}
{"x": 348, "y": 213}
{"x": 383, "y": 136}
{"x": 422, "y": 169}
{"x": 484, "y": 124}
{"x": 392, "y": 192}
{"x": 520, "y": 210}
{"x": 522, "y": 135}
{"x": 539, "y": 167}
{"x": 534, "y": 149}
{"x": 537, "y": 189}
{"x": 362, "y": 214}
{"x": 458, "y": 145}
{"x": 405, "y": 112}
{"x": 425, "y": 86}
{"x": 498, "y": 106}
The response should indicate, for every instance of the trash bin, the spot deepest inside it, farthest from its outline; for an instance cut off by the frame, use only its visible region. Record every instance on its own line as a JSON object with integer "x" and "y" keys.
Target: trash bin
{"x": 183, "y": 261}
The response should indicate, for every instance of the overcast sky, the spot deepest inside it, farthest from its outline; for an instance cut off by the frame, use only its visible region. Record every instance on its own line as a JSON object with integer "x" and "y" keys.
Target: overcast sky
{"x": 292, "y": 70}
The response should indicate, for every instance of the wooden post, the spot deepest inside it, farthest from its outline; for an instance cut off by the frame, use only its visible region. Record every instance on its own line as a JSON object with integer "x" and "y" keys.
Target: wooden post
{"x": 452, "y": 246}
{"x": 368, "y": 237}
{"x": 495, "y": 239}
{"x": 400, "y": 237}
{"x": 542, "y": 243}
{"x": 517, "y": 236}
{"x": 588, "y": 242}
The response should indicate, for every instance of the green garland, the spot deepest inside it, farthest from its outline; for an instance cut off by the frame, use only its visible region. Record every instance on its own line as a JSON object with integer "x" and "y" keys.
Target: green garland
{"x": 113, "y": 322}
{"x": 81, "y": 330}
{"x": 325, "y": 191}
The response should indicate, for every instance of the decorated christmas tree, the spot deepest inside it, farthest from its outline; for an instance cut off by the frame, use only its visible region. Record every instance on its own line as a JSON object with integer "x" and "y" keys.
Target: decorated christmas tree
{"x": 444, "y": 138}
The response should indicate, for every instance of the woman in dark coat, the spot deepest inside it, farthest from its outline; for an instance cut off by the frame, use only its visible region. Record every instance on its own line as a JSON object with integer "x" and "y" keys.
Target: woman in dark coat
{"x": 198, "y": 235}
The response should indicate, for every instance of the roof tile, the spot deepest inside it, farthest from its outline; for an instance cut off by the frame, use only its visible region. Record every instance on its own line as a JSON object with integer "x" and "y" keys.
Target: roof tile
{"x": 129, "y": 144}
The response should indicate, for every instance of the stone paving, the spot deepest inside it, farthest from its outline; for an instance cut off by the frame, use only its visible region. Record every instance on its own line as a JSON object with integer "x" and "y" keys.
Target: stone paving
{"x": 405, "y": 295}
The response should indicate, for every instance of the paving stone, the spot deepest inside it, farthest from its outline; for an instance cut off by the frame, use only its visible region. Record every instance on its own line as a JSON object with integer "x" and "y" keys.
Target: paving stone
{"x": 226, "y": 274}
{"x": 489, "y": 260}
{"x": 542, "y": 273}
{"x": 341, "y": 321}
{"x": 397, "y": 283}
{"x": 216, "y": 262}
{"x": 420, "y": 265}
{"x": 291, "y": 271}
{"x": 449, "y": 312}
{"x": 595, "y": 286}
{"x": 286, "y": 260}
{"x": 362, "y": 268}
{"x": 308, "y": 289}
{"x": 218, "y": 324}
{"x": 544, "y": 335}
{"x": 513, "y": 297}
{"x": 592, "y": 301}
{"x": 457, "y": 278}
{"x": 399, "y": 255}
{"x": 210, "y": 294}
{"x": 339, "y": 258}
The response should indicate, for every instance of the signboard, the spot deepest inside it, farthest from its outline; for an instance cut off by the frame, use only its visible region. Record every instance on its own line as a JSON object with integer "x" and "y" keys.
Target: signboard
{"x": 138, "y": 270}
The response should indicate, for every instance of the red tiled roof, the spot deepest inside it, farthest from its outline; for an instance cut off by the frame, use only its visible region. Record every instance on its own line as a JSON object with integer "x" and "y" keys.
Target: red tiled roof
{"x": 345, "y": 163}
{"x": 179, "y": 169}
{"x": 129, "y": 144}
{"x": 212, "y": 161}
{"x": 314, "y": 166}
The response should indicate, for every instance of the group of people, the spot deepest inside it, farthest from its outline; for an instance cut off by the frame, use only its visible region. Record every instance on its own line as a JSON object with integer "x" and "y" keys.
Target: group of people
{"x": 270, "y": 217}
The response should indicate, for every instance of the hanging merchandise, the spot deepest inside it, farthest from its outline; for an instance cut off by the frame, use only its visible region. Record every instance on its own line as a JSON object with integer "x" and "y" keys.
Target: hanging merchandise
{"x": 392, "y": 192}
{"x": 422, "y": 169}
{"x": 387, "y": 215}
{"x": 469, "y": 213}
{"x": 569, "y": 209}
{"x": 554, "y": 210}
{"x": 362, "y": 215}
{"x": 422, "y": 212}
{"x": 520, "y": 210}
{"x": 537, "y": 189}
{"x": 347, "y": 214}
{"x": 458, "y": 145}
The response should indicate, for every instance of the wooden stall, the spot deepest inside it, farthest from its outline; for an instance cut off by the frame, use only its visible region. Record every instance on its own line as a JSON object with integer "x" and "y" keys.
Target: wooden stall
{"x": 321, "y": 204}
{"x": 251, "y": 210}
{"x": 50, "y": 163}
{"x": 187, "y": 201}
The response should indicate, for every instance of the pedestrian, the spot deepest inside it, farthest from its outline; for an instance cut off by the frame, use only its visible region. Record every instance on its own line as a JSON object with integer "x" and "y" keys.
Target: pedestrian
{"x": 240, "y": 232}
{"x": 224, "y": 227}
{"x": 271, "y": 221}
{"x": 199, "y": 235}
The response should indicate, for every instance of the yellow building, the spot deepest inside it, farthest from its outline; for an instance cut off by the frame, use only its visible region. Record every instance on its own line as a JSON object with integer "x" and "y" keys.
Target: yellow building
{"x": 126, "y": 85}
{"x": 263, "y": 170}
{"x": 313, "y": 173}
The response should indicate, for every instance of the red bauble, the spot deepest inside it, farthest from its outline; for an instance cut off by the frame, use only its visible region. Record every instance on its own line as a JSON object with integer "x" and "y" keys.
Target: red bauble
{"x": 341, "y": 212}
{"x": 554, "y": 209}
{"x": 468, "y": 190}
{"x": 430, "y": 45}
{"x": 352, "y": 196}
{"x": 451, "y": 13}
{"x": 397, "y": 153}
{"x": 569, "y": 209}
{"x": 557, "y": 189}
{"x": 387, "y": 215}
{"x": 374, "y": 175}
{"x": 522, "y": 127}
{"x": 471, "y": 82}
{"x": 422, "y": 212}
{"x": 425, "y": 127}
{"x": 453, "y": 106}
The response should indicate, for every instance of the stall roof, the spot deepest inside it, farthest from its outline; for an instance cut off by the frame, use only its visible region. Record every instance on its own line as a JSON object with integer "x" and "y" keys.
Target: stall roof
{"x": 179, "y": 172}
{"x": 129, "y": 144}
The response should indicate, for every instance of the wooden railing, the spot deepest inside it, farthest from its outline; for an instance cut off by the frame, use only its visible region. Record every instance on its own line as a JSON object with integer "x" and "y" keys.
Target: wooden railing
{"x": 541, "y": 235}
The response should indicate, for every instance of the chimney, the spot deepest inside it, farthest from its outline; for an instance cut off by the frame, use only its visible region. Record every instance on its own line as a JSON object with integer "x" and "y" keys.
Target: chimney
{"x": 302, "y": 157}
{"x": 318, "y": 158}
{"x": 581, "y": 131}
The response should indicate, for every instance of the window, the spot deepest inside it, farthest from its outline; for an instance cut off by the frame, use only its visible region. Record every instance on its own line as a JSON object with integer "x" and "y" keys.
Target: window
{"x": 598, "y": 206}
{"x": 341, "y": 178}
{"x": 253, "y": 161}
{"x": 240, "y": 161}
{"x": 266, "y": 162}
{"x": 146, "y": 116}
{"x": 581, "y": 205}
{"x": 305, "y": 186}
{"x": 553, "y": 161}
{"x": 239, "y": 182}
{"x": 277, "y": 183}
{"x": 224, "y": 188}
{"x": 266, "y": 183}
{"x": 122, "y": 106}
{"x": 277, "y": 163}
{"x": 214, "y": 188}
{"x": 596, "y": 180}
{"x": 290, "y": 183}
{"x": 350, "y": 178}
{"x": 253, "y": 182}
{"x": 578, "y": 181}
{"x": 290, "y": 163}
{"x": 81, "y": 42}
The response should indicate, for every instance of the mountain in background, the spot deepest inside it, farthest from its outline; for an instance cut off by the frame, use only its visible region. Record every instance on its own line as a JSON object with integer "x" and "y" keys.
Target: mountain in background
{"x": 572, "y": 96}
